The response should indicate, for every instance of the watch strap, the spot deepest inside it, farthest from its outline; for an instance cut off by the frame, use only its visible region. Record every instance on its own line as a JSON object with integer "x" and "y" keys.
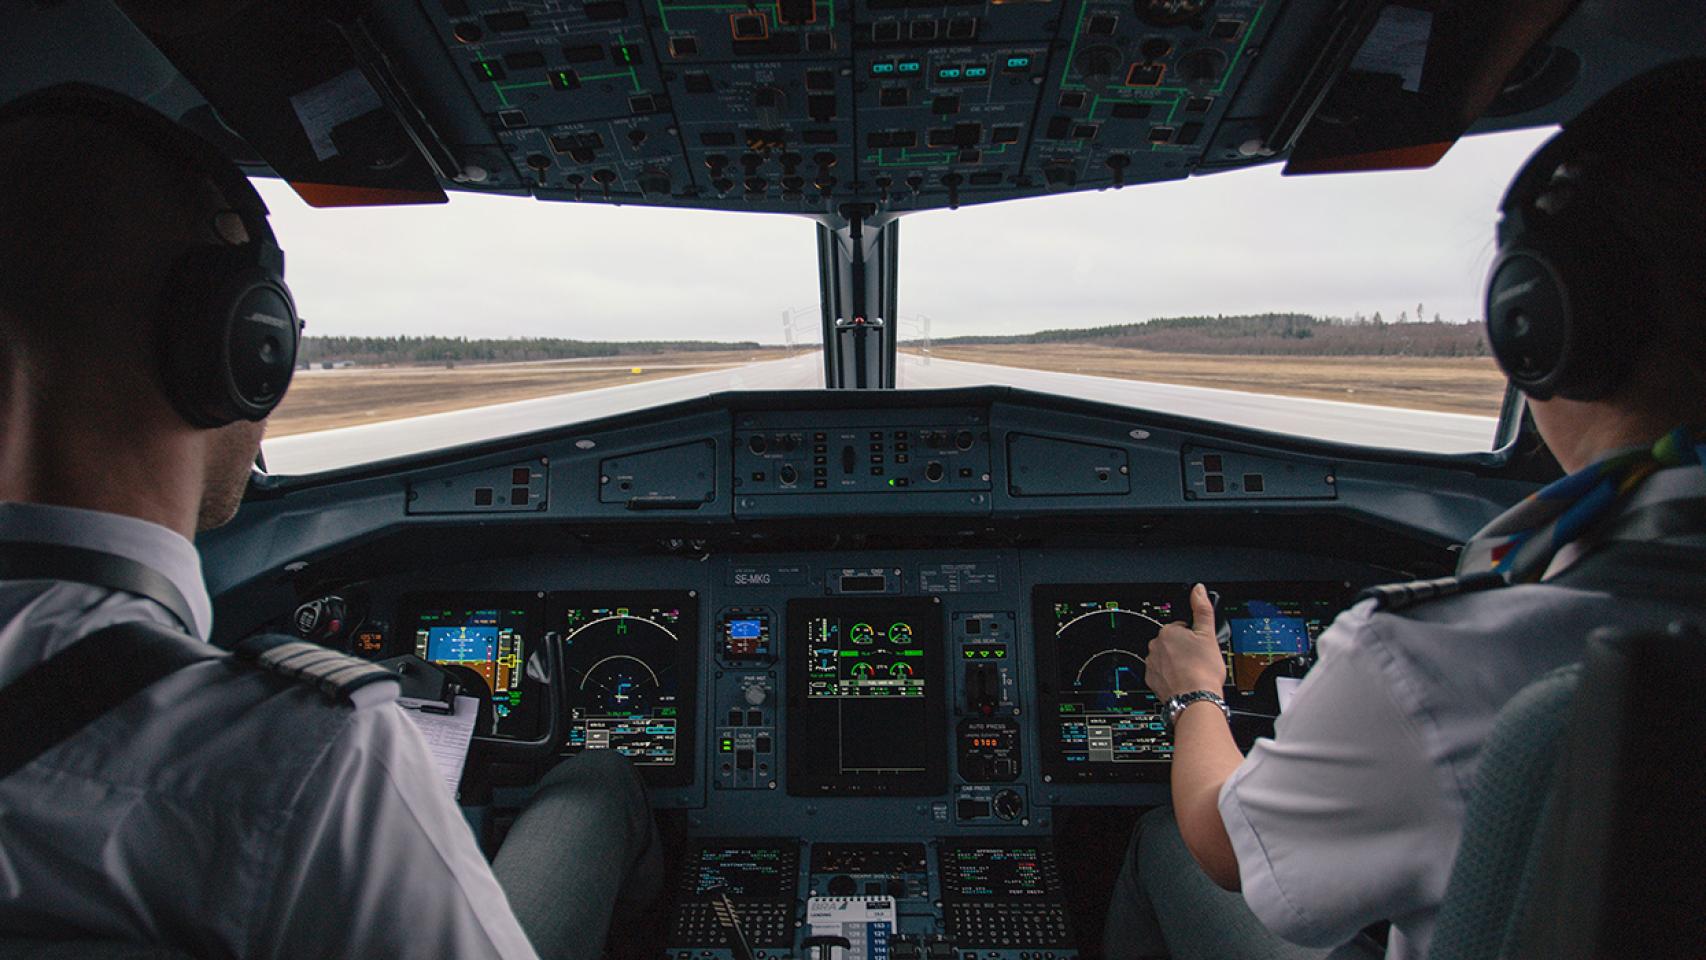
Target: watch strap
{"x": 1174, "y": 707}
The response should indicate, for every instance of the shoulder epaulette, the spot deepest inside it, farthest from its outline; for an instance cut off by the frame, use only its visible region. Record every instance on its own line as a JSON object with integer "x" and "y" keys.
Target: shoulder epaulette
{"x": 1392, "y": 597}
{"x": 335, "y": 675}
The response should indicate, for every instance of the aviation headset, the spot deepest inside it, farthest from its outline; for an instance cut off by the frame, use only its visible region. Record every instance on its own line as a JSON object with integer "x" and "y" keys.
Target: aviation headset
{"x": 1570, "y": 297}
{"x": 226, "y": 324}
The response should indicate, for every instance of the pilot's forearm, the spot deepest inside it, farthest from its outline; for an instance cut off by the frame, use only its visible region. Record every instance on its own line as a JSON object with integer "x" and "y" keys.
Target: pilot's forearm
{"x": 1204, "y": 756}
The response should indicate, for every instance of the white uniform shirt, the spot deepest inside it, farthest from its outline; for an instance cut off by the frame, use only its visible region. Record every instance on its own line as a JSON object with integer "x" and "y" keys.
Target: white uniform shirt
{"x": 221, "y": 811}
{"x": 1353, "y": 812}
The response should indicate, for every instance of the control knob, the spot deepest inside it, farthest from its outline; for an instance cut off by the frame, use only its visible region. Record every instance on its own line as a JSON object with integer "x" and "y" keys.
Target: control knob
{"x": 1096, "y": 65}
{"x": 756, "y": 694}
{"x": 788, "y": 474}
{"x": 933, "y": 471}
{"x": 1008, "y": 804}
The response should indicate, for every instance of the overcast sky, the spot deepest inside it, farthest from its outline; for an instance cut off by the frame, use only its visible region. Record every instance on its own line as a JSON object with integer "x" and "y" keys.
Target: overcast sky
{"x": 1242, "y": 242}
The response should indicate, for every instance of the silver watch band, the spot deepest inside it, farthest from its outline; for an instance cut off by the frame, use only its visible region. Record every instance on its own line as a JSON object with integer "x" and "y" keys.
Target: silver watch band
{"x": 1174, "y": 707}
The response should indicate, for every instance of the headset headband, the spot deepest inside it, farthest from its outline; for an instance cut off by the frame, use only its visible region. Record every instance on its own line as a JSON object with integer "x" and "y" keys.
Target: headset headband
{"x": 161, "y": 133}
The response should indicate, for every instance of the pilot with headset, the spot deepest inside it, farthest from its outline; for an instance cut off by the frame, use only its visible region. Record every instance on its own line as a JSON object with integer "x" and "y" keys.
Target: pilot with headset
{"x": 272, "y": 803}
{"x": 1352, "y": 814}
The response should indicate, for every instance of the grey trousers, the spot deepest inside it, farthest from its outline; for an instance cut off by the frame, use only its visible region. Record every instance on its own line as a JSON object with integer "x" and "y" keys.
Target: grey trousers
{"x": 1165, "y": 906}
{"x": 584, "y": 846}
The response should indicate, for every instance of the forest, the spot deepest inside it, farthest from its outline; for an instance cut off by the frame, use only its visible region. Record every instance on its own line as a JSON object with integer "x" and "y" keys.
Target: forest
{"x": 381, "y": 351}
{"x": 1267, "y": 334}
{"x": 1290, "y": 334}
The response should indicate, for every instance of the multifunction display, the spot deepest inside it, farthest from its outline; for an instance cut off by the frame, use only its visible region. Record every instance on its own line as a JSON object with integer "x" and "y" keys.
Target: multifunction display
{"x": 629, "y": 661}
{"x": 1003, "y": 894}
{"x": 866, "y": 697}
{"x": 758, "y": 877}
{"x": 1100, "y": 720}
{"x": 492, "y": 635}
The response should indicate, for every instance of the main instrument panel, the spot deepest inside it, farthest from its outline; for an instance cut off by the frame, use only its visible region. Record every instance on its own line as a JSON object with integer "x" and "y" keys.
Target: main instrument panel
{"x": 864, "y": 742}
{"x": 875, "y": 663}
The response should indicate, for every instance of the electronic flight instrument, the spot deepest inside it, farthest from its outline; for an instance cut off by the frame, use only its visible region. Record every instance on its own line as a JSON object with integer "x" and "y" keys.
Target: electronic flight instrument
{"x": 630, "y": 662}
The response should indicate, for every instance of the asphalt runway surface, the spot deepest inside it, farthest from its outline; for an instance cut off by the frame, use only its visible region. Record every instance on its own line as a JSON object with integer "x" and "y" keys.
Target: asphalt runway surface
{"x": 1325, "y": 419}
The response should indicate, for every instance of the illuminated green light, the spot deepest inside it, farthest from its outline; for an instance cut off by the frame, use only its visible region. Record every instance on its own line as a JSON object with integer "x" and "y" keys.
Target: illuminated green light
{"x": 891, "y": 481}
{"x": 976, "y": 73}
{"x": 878, "y": 69}
{"x": 909, "y": 66}
{"x": 728, "y": 745}
{"x": 1018, "y": 63}
{"x": 948, "y": 73}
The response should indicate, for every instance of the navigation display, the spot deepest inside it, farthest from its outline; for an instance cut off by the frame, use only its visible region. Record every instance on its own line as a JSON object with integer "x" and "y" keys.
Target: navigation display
{"x": 866, "y": 698}
{"x": 630, "y": 663}
{"x": 493, "y": 635}
{"x": 1100, "y": 719}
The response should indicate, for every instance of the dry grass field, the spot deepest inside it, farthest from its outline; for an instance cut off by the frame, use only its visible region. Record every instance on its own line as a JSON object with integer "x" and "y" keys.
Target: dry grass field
{"x": 1448, "y": 384}
{"x": 323, "y": 399}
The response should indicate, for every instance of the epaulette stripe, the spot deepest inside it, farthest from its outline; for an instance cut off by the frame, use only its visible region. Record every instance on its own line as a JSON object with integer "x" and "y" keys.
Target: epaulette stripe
{"x": 346, "y": 673}
{"x": 336, "y": 675}
{"x": 291, "y": 656}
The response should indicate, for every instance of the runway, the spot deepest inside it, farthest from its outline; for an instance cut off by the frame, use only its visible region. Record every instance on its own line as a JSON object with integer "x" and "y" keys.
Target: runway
{"x": 1357, "y": 423}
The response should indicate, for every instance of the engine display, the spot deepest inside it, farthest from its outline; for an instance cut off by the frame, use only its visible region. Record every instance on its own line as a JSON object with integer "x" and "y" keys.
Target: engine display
{"x": 490, "y": 634}
{"x": 866, "y": 697}
{"x": 630, "y": 665}
{"x": 1101, "y": 721}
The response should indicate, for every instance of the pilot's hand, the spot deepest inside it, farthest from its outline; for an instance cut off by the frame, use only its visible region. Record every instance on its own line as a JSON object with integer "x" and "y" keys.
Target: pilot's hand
{"x": 1182, "y": 657}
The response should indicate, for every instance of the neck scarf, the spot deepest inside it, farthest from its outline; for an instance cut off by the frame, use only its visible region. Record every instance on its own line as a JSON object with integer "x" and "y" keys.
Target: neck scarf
{"x": 1521, "y": 542}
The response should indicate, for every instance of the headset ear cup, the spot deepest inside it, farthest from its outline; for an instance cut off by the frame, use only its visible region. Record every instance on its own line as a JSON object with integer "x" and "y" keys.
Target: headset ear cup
{"x": 228, "y": 338}
{"x": 1566, "y": 310}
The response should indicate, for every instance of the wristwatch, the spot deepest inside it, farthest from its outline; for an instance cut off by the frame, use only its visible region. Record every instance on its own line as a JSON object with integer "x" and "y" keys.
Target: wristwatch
{"x": 1171, "y": 710}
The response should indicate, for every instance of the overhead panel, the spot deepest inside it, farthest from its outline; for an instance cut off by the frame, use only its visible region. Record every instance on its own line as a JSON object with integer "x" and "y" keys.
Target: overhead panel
{"x": 806, "y": 106}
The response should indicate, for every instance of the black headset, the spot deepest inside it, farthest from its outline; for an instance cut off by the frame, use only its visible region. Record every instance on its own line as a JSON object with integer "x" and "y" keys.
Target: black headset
{"x": 1571, "y": 296}
{"x": 226, "y": 324}
{"x": 1566, "y": 297}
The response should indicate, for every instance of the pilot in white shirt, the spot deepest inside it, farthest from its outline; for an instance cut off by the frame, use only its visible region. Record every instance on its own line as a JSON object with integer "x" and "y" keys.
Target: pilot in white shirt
{"x": 222, "y": 810}
{"x": 219, "y": 810}
{"x": 1353, "y": 813}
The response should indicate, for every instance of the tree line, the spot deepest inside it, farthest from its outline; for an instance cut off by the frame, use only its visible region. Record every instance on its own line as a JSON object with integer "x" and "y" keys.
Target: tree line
{"x": 442, "y": 350}
{"x": 1292, "y": 334}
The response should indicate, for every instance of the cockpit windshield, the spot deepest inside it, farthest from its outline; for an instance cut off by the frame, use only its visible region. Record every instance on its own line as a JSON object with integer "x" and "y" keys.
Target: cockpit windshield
{"x": 1341, "y": 308}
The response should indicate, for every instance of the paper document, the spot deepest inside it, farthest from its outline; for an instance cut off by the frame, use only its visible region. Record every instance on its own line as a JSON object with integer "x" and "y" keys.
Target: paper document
{"x": 447, "y": 735}
{"x": 1285, "y": 687}
{"x": 866, "y": 922}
